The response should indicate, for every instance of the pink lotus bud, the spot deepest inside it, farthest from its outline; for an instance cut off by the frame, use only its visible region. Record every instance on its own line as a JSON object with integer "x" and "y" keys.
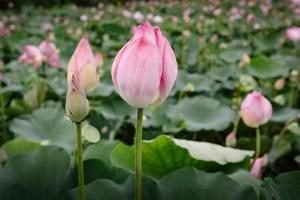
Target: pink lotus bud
{"x": 255, "y": 109}
{"x": 4, "y": 31}
{"x": 251, "y": 18}
{"x": 231, "y": 139}
{"x": 77, "y": 105}
{"x": 138, "y": 16}
{"x": 54, "y": 61}
{"x": 47, "y": 27}
{"x": 126, "y": 13}
{"x": 47, "y": 48}
{"x": 186, "y": 15}
{"x": 84, "y": 18}
{"x": 296, "y": 1}
{"x": 257, "y": 26}
{"x": 50, "y": 53}
{"x": 279, "y": 84}
{"x": 145, "y": 69}
{"x": 158, "y": 19}
{"x": 150, "y": 16}
{"x": 293, "y": 33}
{"x": 259, "y": 164}
{"x": 217, "y": 12}
{"x": 32, "y": 55}
{"x": 83, "y": 65}
{"x": 99, "y": 59}
{"x": 244, "y": 60}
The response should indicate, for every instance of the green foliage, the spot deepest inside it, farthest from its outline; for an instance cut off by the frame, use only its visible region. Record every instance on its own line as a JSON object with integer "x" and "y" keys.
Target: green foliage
{"x": 164, "y": 155}
{"x": 41, "y": 174}
{"x": 37, "y": 141}
{"x": 47, "y": 126}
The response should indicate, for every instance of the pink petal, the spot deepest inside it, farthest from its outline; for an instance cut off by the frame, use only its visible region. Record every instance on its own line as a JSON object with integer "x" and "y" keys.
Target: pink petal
{"x": 259, "y": 164}
{"x": 139, "y": 73}
{"x": 82, "y": 55}
{"x": 169, "y": 72}
{"x": 115, "y": 65}
{"x": 256, "y": 109}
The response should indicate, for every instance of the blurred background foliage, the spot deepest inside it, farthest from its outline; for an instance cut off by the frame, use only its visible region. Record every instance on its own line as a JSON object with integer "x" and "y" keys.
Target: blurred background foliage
{"x": 224, "y": 49}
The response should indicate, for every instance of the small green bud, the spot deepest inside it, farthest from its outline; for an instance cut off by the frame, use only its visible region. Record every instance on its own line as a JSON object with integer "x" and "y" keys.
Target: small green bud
{"x": 77, "y": 105}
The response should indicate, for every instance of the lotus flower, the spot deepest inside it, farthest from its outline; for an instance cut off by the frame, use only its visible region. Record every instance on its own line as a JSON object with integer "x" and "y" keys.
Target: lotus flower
{"x": 32, "y": 55}
{"x": 50, "y": 53}
{"x": 293, "y": 33}
{"x": 231, "y": 139}
{"x": 83, "y": 65}
{"x": 145, "y": 69}
{"x": 258, "y": 165}
{"x": 255, "y": 109}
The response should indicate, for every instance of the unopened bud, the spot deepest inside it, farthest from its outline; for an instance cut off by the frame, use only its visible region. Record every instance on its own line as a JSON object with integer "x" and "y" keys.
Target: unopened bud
{"x": 77, "y": 105}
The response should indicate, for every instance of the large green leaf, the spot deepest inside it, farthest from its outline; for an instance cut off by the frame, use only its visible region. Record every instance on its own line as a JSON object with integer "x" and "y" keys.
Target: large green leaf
{"x": 101, "y": 189}
{"x": 96, "y": 169}
{"x": 243, "y": 177}
{"x": 286, "y": 186}
{"x": 186, "y": 183}
{"x": 189, "y": 183}
{"x": 188, "y": 82}
{"x": 283, "y": 114}
{"x": 165, "y": 154}
{"x": 46, "y": 126}
{"x": 101, "y": 151}
{"x": 202, "y": 113}
{"x": 37, "y": 175}
{"x": 263, "y": 67}
{"x": 19, "y": 145}
{"x": 115, "y": 109}
{"x": 231, "y": 55}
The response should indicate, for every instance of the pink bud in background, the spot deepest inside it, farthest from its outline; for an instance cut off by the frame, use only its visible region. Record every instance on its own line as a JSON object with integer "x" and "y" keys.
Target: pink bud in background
{"x": 47, "y": 27}
{"x": 138, "y": 16}
{"x": 50, "y": 53}
{"x": 126, "y": 13}
{"x": 255, "y": 109}
{"x": 4, "y": 31}
{"x": 84, "y": 18}
{"x": 279, "y": 84}
{"x": 99, "y": 59}
{"x": 231, "y": 139}
{"x": 145, "y": 69}
{"x": 158, "y": 19}
{"x": 293, "y": 33}
{"x": 54, "y": 61}
{"x": 32, "y": 55}
{"x": 217, "y": 12}
{"x": 251, "y": 18}
{"x": 47, "y": 48}
{"x": 245, "y": 59}
{"x": 296, "y": 1}
{"x": 258, "y": 165}
{"x": 83, "y": 65}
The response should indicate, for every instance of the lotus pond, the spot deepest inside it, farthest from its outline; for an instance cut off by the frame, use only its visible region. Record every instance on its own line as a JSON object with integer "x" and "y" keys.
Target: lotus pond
{"x": 228, "y": 130}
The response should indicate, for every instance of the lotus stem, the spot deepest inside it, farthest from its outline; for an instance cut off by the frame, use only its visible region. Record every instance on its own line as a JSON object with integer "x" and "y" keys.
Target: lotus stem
{"x": 138, "y": 154}
{"x": 80, "y": 163}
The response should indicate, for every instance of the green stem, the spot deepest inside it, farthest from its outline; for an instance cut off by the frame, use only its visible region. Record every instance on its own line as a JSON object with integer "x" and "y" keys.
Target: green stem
{"x": 5, "y": 136}
{"x": 236, "y": 124}
{"x": 138, "y": 154}
{"x": 257, "y": 152}
{"x": 80, "y": 163}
